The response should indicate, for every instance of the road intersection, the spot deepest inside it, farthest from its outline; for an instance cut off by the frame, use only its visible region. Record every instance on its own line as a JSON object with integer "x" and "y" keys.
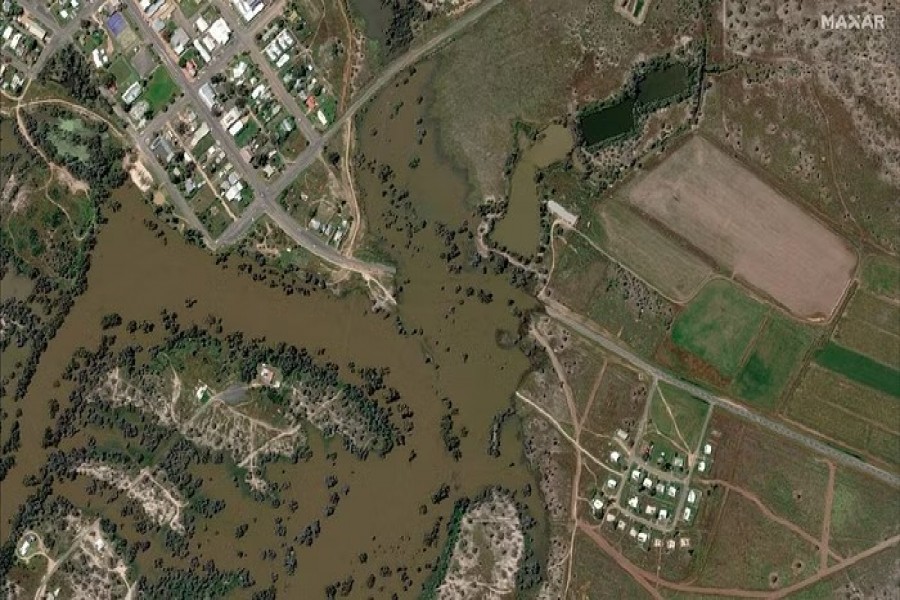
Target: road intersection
{"x": 266, "y": 195}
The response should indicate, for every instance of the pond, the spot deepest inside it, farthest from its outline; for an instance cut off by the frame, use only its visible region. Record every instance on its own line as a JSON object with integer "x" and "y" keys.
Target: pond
{"x": 603, "y": 124}
{"x": 519, "y": 230}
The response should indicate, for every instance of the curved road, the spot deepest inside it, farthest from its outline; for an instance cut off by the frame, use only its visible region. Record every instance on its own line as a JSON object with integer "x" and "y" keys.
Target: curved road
{"x": 307, "y": 156}
{"x": 571, "y": 320}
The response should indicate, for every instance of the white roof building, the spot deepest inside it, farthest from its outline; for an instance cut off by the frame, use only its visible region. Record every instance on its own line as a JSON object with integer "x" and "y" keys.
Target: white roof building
{"x": 663, "y": 514}
{"x": 707, "y": 449}
{"x": 642, "y": 537}
{"x": 614, "y": 456}
{"x": 611, "y": 483}
{"x": 597, "y": 504}
{"x": 203, "y": 53}
{"x": 687, "y": 513}
{"x": 633, "y": 502}
{"x": 132, "y": 93}
{"x": 220, "y": 31}
{"x": 207, "y": 95}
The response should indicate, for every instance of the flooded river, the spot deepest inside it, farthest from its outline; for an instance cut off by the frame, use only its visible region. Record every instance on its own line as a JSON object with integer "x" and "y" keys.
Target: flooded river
{"x": 453, "y": 355}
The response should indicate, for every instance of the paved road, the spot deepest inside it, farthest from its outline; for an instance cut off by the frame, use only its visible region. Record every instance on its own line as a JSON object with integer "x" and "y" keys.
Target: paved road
{"x": 245, "y": 38}
{"x": 565, "y": 316}
{"x": 309, "y": 155}
{"x": 224, "y": 139}
{"x": 60, "y": 36}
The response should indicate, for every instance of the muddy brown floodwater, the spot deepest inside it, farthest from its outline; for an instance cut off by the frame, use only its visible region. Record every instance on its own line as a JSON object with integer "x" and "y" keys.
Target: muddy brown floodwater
{"x": 519, "y": 229}
{"x": 134, "y": 274}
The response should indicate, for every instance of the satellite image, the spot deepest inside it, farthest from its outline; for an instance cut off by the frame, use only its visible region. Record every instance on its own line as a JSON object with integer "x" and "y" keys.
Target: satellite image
{"x": 449, "y": 299}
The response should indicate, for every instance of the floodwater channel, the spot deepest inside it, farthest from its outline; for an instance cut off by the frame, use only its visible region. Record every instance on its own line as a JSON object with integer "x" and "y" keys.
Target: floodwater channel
{"x": 453, "y": 355}
{"x": 519, "y": 230}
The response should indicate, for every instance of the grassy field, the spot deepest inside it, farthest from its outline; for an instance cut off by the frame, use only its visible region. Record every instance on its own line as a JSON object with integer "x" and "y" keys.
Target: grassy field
{"x": 871, "y": 325}
{"x": 123, "y": 72}
{"x": 775, "y": 356}
{"x": 860, "y": 368}
{"x": 667, "y": 265}
{"x": 215, "y": 219}
{"x": 497, "y": 60}
{"x": 678, "y": 416}
{"x": 595, "y": 575}
{"x": 160, "y": 89}
{"x": 851, "y": 414}
{"x": 775, "y": 551}
{"x": 881, "y": 275}
{"x": 864, "y": 512}
{"x": 618, "y": 405}
{"x": 718, "y": 325}
{"x": 588, "y": 282}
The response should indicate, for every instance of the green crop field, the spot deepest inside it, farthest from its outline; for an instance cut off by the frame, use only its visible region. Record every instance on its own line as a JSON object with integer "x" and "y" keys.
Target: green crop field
{"x": 847, "y": 412}
{"x": 871, "y": 325}
{"x": 860, "y": 368}
{"x": 683, "y": 421}
{"x": 881, "y": 275}
{"x": 718, "y": 325}
{"x": 160, "y": 89}
{"x": 775, "y": 356}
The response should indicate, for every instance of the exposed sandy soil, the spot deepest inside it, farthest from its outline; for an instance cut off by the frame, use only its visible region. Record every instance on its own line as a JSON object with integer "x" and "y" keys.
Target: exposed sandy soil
{"x": 747, "y": 227}
{"x": 487, "y": 553}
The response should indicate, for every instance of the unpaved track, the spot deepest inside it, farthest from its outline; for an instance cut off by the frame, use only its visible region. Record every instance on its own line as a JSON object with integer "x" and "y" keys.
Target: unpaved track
{"x": 585, "y": 328}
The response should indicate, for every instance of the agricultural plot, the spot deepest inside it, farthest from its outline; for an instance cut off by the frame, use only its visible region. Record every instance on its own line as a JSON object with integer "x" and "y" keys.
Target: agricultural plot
{"x": 859, "y": 368}
{"x": 881, "y": 275}
{"x": 775, "y": 356}
{"x": 852, "y": 415}
{"x": 871, "y": 326}
{"x": 671, "y": 268}
{"x": 747, "y": 228}
{"x": 718, "y": 325}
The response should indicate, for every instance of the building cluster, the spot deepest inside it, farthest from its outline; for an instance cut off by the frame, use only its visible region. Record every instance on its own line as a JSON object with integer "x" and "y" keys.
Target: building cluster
{"x": 22, "y": 35}
{"x": 648, "y": 496}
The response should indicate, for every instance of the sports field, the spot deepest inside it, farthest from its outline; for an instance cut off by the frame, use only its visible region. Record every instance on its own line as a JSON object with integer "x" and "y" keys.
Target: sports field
{"x": 748, "y": 228}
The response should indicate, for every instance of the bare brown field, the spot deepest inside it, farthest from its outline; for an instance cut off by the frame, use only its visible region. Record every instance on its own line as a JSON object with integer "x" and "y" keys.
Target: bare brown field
{"x": 747, "y": 227}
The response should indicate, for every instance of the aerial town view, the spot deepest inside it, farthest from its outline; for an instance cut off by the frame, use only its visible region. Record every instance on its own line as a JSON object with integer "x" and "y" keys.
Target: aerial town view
{"x": 449, "y": 299}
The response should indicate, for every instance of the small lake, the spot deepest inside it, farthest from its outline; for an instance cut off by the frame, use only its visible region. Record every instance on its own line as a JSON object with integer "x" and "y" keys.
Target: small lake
{"x": 519, "y": 230}
{"x": 607, "y": 123}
